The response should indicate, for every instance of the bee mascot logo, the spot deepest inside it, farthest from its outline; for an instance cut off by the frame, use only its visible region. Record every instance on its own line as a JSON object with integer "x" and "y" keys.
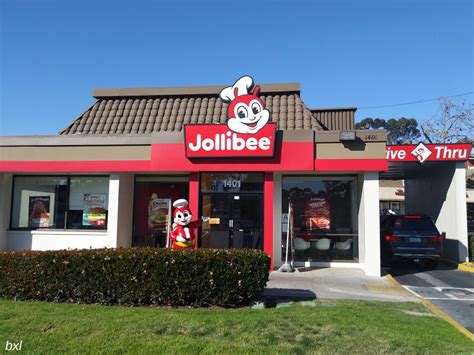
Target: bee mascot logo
{"x": 246, "y": 133}
{"x": 183, "y": 235}
{"x": 246, "y": 113}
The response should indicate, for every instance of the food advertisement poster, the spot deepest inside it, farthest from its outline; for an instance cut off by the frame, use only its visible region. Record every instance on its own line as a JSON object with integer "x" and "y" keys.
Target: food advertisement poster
{"x": 94, "y": 210}
{"x": 38, "y": 210}
{"x": 159, "y": 210}
{"x": 317, "y": 213}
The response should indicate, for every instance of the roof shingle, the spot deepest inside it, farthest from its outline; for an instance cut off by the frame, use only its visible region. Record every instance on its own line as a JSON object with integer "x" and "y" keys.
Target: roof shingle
{"x": 144, "y": 111}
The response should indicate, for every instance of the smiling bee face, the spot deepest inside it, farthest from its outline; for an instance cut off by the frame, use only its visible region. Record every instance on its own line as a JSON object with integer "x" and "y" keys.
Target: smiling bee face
{"x": 183, "y": 217}
{"x": 247, "y": 115}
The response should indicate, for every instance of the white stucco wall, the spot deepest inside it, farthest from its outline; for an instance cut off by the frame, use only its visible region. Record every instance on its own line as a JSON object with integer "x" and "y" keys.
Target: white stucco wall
{"x": 388, "y": 193}
{"x": 120, "y": 218}
{"x": 56, "y": 240}
{"x": 369, "y": 223}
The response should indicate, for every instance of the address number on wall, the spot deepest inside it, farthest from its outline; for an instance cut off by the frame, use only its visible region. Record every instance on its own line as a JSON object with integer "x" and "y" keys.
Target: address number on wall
{"x": 232, "y": 183}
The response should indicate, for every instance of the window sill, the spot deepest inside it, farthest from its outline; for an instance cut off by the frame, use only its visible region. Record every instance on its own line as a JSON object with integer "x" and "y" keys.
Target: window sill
{"x": 59, "y": 231}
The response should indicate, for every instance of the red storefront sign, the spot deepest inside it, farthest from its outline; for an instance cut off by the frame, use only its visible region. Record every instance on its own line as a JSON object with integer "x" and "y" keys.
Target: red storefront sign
{"x": 428, "y": 152}
{"x": 247, "y": 132}
{"x": 204, "y": 141}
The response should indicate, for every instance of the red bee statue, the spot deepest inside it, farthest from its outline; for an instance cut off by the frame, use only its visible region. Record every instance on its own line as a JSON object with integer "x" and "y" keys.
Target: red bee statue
{"x": 183, "y": 235}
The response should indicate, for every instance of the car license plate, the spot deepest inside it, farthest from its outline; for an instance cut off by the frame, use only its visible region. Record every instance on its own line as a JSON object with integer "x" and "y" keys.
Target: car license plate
{"x": 415, "y": 240}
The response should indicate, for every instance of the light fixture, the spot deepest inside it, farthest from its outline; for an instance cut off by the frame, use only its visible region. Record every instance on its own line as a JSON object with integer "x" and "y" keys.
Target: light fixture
{"x": 347, "y": 136}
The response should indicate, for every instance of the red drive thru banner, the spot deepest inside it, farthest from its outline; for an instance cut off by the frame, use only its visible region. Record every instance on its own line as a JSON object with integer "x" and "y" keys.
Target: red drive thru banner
{"x": 428, "y": 152}
{"x": 247, "y": 132}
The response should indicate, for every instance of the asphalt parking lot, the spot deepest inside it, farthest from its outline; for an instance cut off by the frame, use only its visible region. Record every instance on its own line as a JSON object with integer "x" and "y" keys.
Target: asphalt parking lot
{"x": 450, "y": 289}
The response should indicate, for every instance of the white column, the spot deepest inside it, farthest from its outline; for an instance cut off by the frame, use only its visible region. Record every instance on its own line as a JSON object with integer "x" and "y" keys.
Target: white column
{"x": 120, "y": 215}
{"x": 277, "y": 191}
{"x": 5, "y": 207}
{"x": 457, "y": 229}
{"x": 369, "y": 223}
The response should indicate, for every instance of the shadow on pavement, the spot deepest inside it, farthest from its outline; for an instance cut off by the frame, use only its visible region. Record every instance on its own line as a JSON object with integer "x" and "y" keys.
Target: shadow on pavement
{"x": 289, "y": 294}
{"x": 409, "y": 267}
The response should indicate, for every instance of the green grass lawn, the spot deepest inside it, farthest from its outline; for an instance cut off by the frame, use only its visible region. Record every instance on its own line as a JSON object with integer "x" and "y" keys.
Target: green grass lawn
{"x": 331, "y": 326}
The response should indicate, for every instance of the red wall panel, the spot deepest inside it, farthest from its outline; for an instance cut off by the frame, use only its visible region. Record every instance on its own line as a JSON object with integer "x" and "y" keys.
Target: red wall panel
{"x": 268, "y": 215}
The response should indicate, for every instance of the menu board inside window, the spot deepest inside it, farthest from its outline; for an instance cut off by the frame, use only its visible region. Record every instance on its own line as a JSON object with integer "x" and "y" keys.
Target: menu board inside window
{"x": 317, "y": 213}
{"x": 231, "y": 182}
{"x": 94, "y": 212}
{"x": 159, "y": 210}
{"x": 39, "y": 211}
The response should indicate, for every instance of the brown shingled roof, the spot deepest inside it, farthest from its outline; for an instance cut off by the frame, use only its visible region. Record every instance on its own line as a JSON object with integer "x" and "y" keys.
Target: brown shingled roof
{"x": 143, "y": 111}
{"x": 337, "y": 118}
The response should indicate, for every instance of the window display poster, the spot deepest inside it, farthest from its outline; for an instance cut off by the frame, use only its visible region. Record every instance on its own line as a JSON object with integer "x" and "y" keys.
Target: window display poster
{"x": 317, "y": 213}
{"x": 38, "y": 210}
{"x": 94, "y": 210}
{"x": 284, "y": 221}
{"x": 159, "y": 210}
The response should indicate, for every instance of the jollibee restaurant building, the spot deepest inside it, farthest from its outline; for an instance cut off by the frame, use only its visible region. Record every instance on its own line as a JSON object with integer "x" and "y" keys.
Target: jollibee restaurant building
{"x": 108, "y": 178}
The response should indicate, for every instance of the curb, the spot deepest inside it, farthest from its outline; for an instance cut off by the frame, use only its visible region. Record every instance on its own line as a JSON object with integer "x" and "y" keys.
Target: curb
{"x": 460, "y": 266}
{"x": 436, "y": 310}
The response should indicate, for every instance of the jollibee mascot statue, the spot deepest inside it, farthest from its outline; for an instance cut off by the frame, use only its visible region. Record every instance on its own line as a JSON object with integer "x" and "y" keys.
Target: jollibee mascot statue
{"x": 183, "y": 235}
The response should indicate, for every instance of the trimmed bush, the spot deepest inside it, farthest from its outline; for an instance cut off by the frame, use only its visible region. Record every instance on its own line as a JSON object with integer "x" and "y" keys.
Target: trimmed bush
{"x": 136, "y": 276}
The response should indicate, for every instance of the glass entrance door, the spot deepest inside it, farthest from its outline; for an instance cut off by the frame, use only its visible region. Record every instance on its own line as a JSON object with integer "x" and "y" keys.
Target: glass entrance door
{"x": 236, "y": 221}
{"x": 247, "y": 216}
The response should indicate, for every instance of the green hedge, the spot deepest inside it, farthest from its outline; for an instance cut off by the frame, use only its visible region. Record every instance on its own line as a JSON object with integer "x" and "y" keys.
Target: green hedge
{"x": 136, "y": 276}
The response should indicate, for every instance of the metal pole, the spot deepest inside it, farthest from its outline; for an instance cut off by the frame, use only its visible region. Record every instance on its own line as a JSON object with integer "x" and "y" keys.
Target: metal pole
{"x": 287, "y": 267}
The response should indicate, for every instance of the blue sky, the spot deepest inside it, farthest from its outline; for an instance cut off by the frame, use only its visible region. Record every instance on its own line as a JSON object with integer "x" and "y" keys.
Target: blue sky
{"x": 344, "y": 53}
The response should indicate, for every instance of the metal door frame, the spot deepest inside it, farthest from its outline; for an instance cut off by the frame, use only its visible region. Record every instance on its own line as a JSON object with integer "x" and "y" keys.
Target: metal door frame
{"x": 230, "y": 196}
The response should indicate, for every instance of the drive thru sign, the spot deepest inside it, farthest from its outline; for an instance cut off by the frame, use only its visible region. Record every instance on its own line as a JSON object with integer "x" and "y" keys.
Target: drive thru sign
{"x": 429, "y": 152}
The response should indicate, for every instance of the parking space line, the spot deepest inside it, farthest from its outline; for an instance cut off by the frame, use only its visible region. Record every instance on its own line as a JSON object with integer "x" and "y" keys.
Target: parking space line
{"x": 431, "y": 280}
{"x": 455, "y": 288}
{"x": 435, "y": 309}
{"x": 449, "y": 296}
{"x": 448, "y": 299}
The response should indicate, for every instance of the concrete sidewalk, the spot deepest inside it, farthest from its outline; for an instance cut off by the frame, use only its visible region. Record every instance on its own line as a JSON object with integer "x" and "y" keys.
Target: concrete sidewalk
{"x": 339, "y": 283}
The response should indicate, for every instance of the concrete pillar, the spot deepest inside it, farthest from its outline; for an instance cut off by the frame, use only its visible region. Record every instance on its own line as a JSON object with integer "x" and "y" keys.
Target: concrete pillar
{"x": 120, "y": 215}
{"x": 440, "y": 192}
{"x": 277, "y": 204}
{"x": 369, "y": 223}
{"x": 6, "y": 181}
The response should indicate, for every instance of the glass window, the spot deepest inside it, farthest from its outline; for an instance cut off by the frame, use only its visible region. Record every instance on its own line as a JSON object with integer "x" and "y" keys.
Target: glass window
{"x": 384, "y": 207}
{"x": 88, "y": 202}
{"x": 231, "y": 182}
{"x": 39, "y": 202}
{"x": 323, "y": 218}
{"x": 60, "y": 202}
{"x": 152, "y": 203}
